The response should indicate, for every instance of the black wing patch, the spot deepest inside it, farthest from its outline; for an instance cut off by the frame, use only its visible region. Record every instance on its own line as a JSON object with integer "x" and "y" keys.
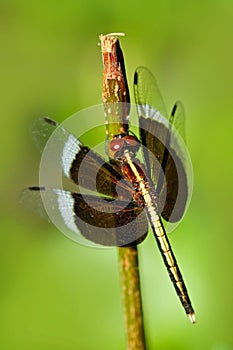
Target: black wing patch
{"x": 162, "y": 152}
{"x": 89, "y": 219}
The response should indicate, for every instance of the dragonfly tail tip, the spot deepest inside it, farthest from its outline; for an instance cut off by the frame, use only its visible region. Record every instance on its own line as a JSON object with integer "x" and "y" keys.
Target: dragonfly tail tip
{"x": 192, "y": 317}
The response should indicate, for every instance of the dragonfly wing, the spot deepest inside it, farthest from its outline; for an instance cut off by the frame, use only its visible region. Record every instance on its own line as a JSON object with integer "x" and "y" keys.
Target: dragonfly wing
{"x": 78, "y": 162}
{"x": 177, "y": 119}
{"x": 146, "y": 90}
{"x": 147, "y": 95}
{"x": 162, "y": 148}
{"x": 88, "y": 219}
{"x": 90, "y": 171}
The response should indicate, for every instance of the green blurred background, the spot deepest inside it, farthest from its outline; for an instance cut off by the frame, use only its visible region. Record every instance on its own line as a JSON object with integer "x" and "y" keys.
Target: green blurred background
{"x": 56, "y": 294}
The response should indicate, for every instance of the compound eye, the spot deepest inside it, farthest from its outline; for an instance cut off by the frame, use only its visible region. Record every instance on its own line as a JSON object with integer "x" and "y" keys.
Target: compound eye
{"x": 131, "y": 140}
{"x": 116, "y": 145}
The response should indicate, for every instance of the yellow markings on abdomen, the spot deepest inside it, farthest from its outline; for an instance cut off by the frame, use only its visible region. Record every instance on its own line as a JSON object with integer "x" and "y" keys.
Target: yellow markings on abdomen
{"x": 166, "y": 249}
{"x": 158, "y": 228}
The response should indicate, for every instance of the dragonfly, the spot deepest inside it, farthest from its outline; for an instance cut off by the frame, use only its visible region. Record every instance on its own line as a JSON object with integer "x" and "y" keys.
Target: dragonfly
{"x": 124, "y": 196}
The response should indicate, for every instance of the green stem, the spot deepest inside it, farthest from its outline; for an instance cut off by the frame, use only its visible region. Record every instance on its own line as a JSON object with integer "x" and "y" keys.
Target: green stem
{"x": 131, "y": 295}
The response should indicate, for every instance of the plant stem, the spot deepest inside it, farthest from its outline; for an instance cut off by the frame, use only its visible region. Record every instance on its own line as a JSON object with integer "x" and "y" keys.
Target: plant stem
{"x": 131, "y": 295}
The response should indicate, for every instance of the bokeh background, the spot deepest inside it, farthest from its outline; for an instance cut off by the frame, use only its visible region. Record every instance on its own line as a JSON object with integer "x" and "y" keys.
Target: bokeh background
{"x": 55, "y": 294}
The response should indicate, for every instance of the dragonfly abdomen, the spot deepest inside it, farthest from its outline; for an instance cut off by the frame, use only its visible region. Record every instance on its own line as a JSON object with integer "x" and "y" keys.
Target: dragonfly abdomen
{"x": 172, "y": 266}
{"x": 145, "y": 197}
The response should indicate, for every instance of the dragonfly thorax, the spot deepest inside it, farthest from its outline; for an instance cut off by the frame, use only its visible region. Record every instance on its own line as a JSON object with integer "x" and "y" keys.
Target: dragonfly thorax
{"x": 134, "y": 171}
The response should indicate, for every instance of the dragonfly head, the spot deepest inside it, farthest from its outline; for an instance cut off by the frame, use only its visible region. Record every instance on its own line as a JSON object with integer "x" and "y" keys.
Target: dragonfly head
{"x": 120, "y": 143}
